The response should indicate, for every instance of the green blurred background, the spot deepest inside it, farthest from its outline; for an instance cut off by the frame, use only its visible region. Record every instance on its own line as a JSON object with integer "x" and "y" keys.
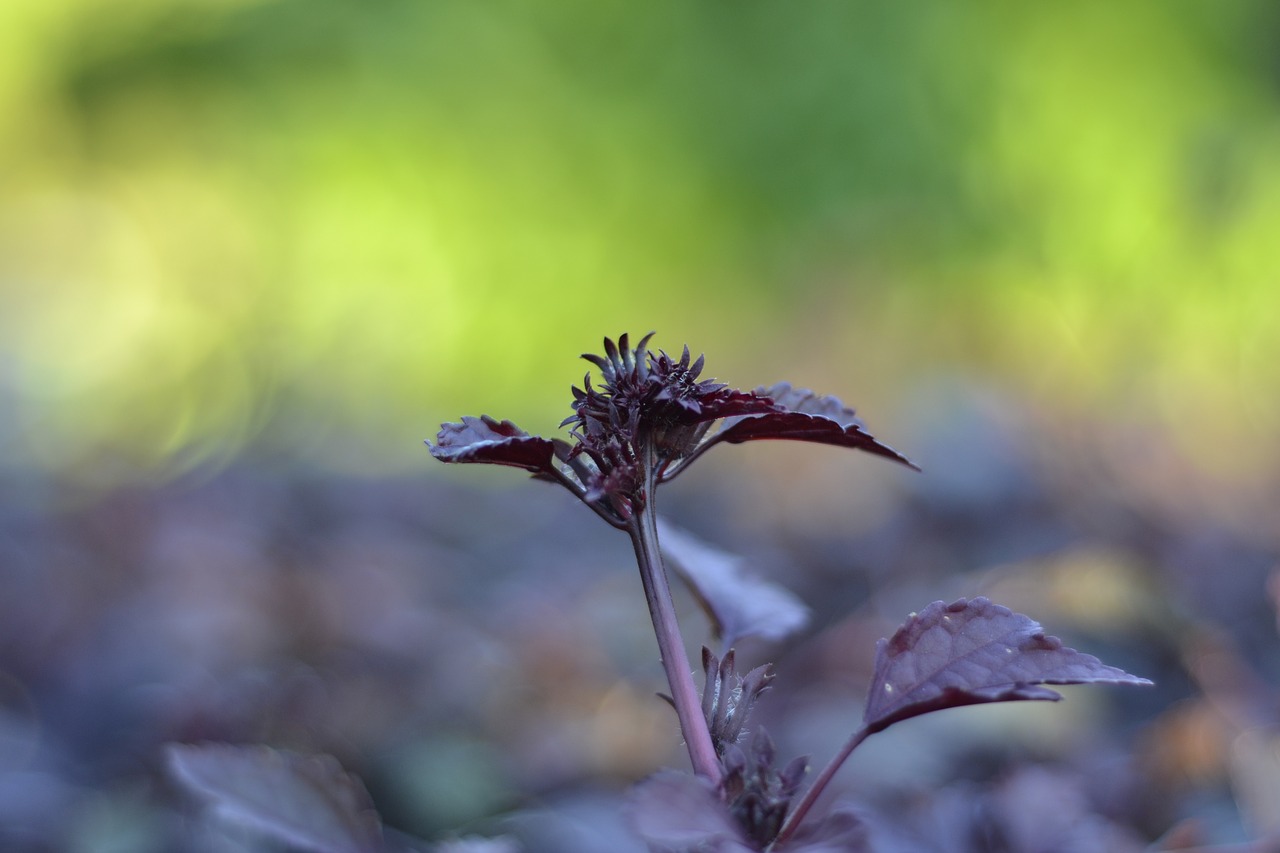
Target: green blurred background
{"x": 316, "y": 229}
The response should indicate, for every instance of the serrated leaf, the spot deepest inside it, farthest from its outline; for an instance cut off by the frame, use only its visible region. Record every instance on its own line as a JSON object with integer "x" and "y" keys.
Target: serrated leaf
{"x": 738, "y": 604}
{"x": 679, "y": 811}
{"x": 969, "y": 652}
{"x": 806, "y": 416}
{"x": 307, "y": 801}
{"x": 486, "y": 440}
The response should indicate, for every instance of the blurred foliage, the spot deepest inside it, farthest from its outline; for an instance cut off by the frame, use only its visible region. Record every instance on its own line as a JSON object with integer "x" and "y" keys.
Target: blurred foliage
{"x": 1035, "y": 243}
{"x": 254, "y": 251}
{"x": 486, "y": 677}
{"x": 318, "y": 228}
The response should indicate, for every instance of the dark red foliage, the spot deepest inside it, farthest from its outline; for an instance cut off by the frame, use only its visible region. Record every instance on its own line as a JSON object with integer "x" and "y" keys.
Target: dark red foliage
{"x": 651, "y": 416}
{"x": 484, "y": 439}
{"x": 969, "y": 652}
{"x": 806, "y": 416}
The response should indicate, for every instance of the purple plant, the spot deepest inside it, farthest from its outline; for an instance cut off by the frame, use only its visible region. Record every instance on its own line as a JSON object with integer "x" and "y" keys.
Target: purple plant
{"x": 650, "y": 417}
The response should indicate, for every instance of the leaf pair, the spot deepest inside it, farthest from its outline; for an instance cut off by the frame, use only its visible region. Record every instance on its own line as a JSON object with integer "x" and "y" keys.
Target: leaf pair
{"x": 801, "y": 415}
{"x": 651, "y": 418}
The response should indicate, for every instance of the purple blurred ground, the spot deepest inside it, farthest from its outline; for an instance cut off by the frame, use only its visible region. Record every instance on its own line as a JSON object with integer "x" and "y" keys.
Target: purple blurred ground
{"x": 482, "y": 658}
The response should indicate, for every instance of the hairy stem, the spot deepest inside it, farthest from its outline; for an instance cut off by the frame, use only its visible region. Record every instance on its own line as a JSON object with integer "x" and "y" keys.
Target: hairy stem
{"x": 693, "y": 726}
{"x": 819, "y": 785}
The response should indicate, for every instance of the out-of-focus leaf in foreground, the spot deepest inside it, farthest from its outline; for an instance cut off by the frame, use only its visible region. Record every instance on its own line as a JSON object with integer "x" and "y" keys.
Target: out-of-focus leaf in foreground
{"x": 806, "y": 416}
{"x": 680, "y": 811}
{"x": 738, "y": 604}
{"x": 969, "y": 652}
{"x": 307, "y": 802}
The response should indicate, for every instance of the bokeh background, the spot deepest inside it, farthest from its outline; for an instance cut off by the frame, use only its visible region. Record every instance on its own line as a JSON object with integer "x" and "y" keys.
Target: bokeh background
{"x": 252, "y": 252}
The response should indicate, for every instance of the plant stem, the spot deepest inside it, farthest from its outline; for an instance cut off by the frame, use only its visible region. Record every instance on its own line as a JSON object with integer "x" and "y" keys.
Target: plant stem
{"x": 819, "y": 785}
{"x": 657, "y": 591}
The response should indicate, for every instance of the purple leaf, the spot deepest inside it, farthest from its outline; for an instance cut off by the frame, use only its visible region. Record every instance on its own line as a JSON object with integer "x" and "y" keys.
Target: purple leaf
{"x": 806, "y": 416}
{"x": 307, "y": 802}
{"x": 738, "y": 604}
{"x": 970, "y": 652}
{"x": 680, "y": 811}
{"x": 486, "y": 440}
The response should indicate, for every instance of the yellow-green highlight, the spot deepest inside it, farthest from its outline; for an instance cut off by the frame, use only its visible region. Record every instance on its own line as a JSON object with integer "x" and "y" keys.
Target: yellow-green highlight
{"x": 315, "y": 230}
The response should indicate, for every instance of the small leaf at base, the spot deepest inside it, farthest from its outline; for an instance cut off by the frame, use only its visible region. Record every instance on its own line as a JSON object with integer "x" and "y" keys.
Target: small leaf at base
{"x": 680, "y": 811}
